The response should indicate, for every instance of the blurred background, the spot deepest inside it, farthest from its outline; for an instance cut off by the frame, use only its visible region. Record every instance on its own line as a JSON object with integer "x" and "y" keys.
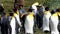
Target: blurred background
{"x": 8, "y": 4}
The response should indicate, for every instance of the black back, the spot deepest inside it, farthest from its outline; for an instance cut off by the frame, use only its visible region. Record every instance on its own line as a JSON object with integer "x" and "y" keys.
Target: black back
{"x": 59, "y": 23}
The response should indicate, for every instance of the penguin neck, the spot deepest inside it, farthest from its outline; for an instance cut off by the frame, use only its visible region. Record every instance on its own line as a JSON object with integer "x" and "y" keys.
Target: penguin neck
{"x": 58, "y": 13}
{"x": 15, "y": 14}
{"x": 12, "y": 17}
{"x": 31, "y": 15}
{"x": 55, "y": 15}
{"x": 46, "y": 12}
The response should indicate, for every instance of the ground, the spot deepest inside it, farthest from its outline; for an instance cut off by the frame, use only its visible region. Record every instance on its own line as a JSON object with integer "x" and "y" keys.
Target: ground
{"x": 38, "y": 31}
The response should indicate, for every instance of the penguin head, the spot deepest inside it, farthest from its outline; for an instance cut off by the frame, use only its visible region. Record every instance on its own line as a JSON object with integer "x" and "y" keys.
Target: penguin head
{"x": 58, "y": 11}
{"x": 52, "y": 11}
{"x": 30, "y": 9}
{"x": 11, "y": 13}
{"x": 34, "y": 6}
{"x": 47, "y": 8}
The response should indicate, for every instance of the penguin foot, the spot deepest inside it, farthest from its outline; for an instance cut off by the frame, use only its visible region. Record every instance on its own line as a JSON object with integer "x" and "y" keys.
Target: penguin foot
{"x": 46, "y": 31}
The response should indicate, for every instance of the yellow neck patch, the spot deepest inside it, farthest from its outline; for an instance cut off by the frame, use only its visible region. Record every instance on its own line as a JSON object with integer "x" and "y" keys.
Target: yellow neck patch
{"x": 46, "y": 12}
{"x": 15, "y": 14}
{"x": 55, "y": 15}
{"x": 31, "y": 16}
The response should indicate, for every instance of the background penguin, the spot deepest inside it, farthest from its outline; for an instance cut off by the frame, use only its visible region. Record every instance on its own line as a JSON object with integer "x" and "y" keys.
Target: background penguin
{"x": 4, "y": 24}
{"x": 54, "y": 22}
{"x": 15, "y": 22}
{"x": 13, "y": 25}
{"x": 4, "y": 27}
{"x": 46, "y": 17}
{"x": 18, "y": 24}
{"x": 59, "y": 23}
{"x": 10, "y": 18}
{"x": 58, "y": 10}
{"x": 34, "y": 6}
{"x": 39, "y": 15}
{"x": 29, "y": 22}
{"x": 1, "y": 11}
